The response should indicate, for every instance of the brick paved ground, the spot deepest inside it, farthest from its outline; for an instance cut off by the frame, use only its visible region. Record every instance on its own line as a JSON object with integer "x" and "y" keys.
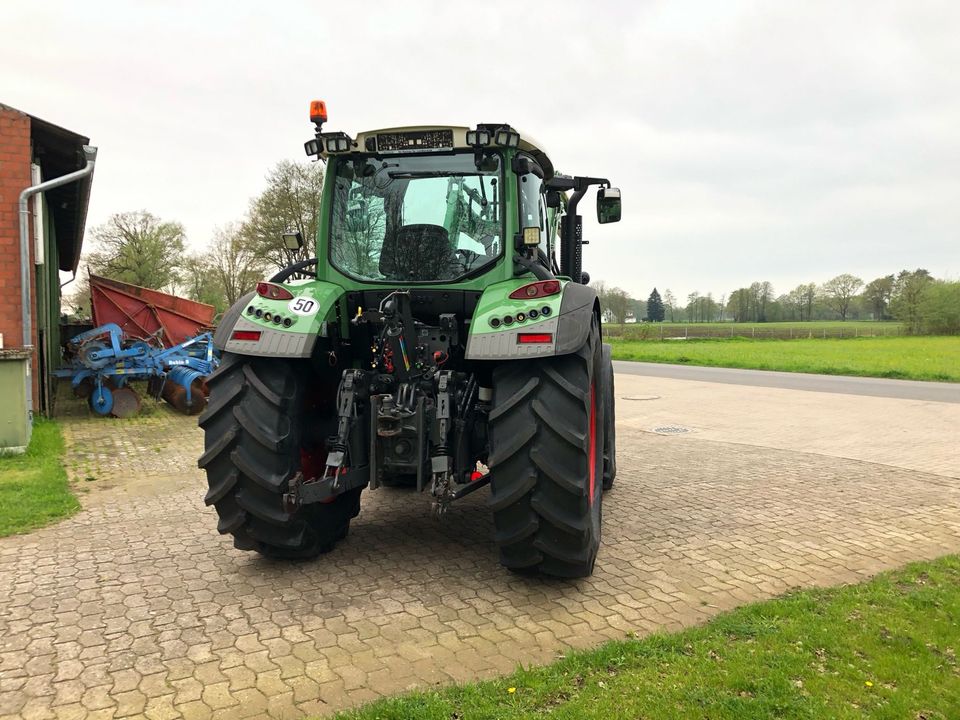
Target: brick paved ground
{"x": 136, "y": 607}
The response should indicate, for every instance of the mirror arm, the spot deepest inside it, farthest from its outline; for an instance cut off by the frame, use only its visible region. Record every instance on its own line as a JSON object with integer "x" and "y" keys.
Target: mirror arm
{"x": 571, "y": 251}
{"x": 561, "y": 182}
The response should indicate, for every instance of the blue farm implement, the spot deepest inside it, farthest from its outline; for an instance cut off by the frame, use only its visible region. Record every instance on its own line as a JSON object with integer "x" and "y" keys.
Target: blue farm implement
{"x": 103, "y": 362}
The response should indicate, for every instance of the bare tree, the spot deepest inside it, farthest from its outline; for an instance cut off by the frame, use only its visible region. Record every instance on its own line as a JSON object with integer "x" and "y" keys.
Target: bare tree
{"x": 709, "y": 307}
{"x": 693, "y": 307}
{"x": 198, "y": 282}
{"x": 810, "y": 295}
{"x": 840, "y": 291}
{"x": 796, "y": 300}
{"x": 761, "y": 293}
{"x": 139, "y": 248}
{"x": 291, "y": 201}
{"x": 765, "y": 296}
{"x": 619, "y": 303}
{"x": 670, "y": 304}
{"x": 235, "y": 264}
{"x": 601, "y": 287}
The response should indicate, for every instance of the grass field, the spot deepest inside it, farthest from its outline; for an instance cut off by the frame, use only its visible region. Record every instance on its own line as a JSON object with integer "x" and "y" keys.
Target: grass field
{"x": 810, "y": 326}
{"x": 883, "y": 649}
{"x": 915, "y": 358}
{"x": 770, "y": 330}
{"x": 33, "y": 486}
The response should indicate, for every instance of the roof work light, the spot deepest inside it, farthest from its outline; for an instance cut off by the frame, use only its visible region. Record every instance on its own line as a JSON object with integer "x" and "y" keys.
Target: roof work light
{"x": 478, "y": 138}
{"x": 337, "y": 142}
{"x": 508, "y": 137}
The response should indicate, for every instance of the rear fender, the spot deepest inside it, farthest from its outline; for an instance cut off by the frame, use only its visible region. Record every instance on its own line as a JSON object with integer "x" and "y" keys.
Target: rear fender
{"x": 311, "y": 314}
{"x": 567, "y": 323}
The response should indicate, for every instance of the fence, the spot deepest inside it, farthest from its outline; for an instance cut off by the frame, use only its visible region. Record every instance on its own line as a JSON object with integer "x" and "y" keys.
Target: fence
{"x": 661, "y": 331}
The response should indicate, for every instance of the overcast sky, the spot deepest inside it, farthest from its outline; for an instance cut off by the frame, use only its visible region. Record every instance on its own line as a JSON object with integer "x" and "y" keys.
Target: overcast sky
{"x": 774, "y": 141}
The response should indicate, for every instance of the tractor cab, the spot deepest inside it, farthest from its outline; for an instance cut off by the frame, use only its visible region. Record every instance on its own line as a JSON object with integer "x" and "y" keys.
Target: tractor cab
{"x": 445, "y": 204}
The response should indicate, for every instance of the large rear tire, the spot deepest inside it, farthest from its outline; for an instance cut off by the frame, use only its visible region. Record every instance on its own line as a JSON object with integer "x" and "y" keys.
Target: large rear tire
{"x": 546, "y": 461}
{"x": 253, "y": 442}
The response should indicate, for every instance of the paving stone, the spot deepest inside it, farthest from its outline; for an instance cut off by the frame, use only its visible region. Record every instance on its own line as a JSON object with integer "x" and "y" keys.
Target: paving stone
{"x": 136, "y": 607}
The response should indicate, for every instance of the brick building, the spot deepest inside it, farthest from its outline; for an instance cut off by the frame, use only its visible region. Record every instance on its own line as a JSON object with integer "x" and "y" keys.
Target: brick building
{"x": 33, "y": 151}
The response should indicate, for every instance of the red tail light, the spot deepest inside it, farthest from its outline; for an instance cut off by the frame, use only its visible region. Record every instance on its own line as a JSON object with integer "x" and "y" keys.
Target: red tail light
{"x": 536, "y": 290}
{"x": 273, "y": 292}
{"x": 251, "y": 335}
{"x": 534, "y": 338}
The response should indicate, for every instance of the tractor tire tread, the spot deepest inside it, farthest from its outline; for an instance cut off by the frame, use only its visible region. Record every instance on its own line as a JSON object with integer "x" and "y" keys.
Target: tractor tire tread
{"x": 273, "y": 441}
{"x": 544, "y": 519}
{"x": 220, "y": 488}
{"x": 226, "y": 400}
{"x": 252, "y": 445}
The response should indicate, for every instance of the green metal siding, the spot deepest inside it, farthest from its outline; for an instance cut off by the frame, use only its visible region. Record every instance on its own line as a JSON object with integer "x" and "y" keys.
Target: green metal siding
{"x": 47, "y": 278}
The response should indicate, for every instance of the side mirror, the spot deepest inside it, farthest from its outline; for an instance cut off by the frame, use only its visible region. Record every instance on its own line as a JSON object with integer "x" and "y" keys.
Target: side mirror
{"x": 292, "y": 240}
{"x": 608, "y": 205}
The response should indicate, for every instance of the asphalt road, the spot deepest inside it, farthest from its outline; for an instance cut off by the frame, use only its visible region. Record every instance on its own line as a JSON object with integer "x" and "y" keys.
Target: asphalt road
{"x": 875, "y": 387}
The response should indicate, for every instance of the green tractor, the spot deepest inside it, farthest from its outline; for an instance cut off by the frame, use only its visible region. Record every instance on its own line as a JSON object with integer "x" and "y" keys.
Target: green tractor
{"x": 444, "y": 337}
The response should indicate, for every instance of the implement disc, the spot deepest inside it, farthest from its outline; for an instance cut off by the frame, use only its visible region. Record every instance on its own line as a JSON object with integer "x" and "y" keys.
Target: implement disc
{"x": 176, "y": 395}
{"x": 126, "y": 402}
{"x": 86, "y": 351}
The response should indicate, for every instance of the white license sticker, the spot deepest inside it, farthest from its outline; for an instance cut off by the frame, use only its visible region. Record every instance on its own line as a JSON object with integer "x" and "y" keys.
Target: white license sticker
{"x": 303, "y": 306}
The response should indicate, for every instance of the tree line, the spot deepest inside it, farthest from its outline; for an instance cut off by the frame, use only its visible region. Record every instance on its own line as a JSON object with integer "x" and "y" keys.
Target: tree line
{"x": 922, "y": 303}
{"x": 140, "y": 248}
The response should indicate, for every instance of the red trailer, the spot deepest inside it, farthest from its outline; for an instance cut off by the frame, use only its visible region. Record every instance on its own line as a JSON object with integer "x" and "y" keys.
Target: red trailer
{"x": 144, "y": 313}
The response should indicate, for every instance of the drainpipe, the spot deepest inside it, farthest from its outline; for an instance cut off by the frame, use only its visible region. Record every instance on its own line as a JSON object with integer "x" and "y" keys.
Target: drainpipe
{"x": 90, "y": 153}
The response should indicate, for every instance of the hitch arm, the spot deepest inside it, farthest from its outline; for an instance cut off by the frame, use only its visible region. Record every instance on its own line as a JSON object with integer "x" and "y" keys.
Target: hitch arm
{"x": 347, "y": 398}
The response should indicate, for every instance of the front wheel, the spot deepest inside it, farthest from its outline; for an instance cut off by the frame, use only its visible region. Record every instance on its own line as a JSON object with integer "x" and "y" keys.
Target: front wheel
{"x": 546, "y": 461}
{"x": 254, "y": 445}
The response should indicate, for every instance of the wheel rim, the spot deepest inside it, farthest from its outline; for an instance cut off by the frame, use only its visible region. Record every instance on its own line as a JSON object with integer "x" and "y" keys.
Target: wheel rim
{"x": 593, "y": 441}
{"x": 101, "y": 400}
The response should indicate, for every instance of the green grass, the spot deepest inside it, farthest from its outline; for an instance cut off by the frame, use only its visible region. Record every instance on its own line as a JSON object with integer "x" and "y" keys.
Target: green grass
{"x": 33, "y": 486}
{"x": 814, "y": 326}
{"x": 914, "y": 358}
{"x": 883, "y": 649}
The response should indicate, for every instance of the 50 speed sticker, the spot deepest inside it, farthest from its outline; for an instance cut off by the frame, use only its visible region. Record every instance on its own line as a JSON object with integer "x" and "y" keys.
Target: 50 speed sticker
{"x": 303, "y": 306}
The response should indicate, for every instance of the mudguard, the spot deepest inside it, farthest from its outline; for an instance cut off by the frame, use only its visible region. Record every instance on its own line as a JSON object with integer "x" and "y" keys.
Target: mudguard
{"x": 256, "y": 325}
{"x": 567, "y": 321}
